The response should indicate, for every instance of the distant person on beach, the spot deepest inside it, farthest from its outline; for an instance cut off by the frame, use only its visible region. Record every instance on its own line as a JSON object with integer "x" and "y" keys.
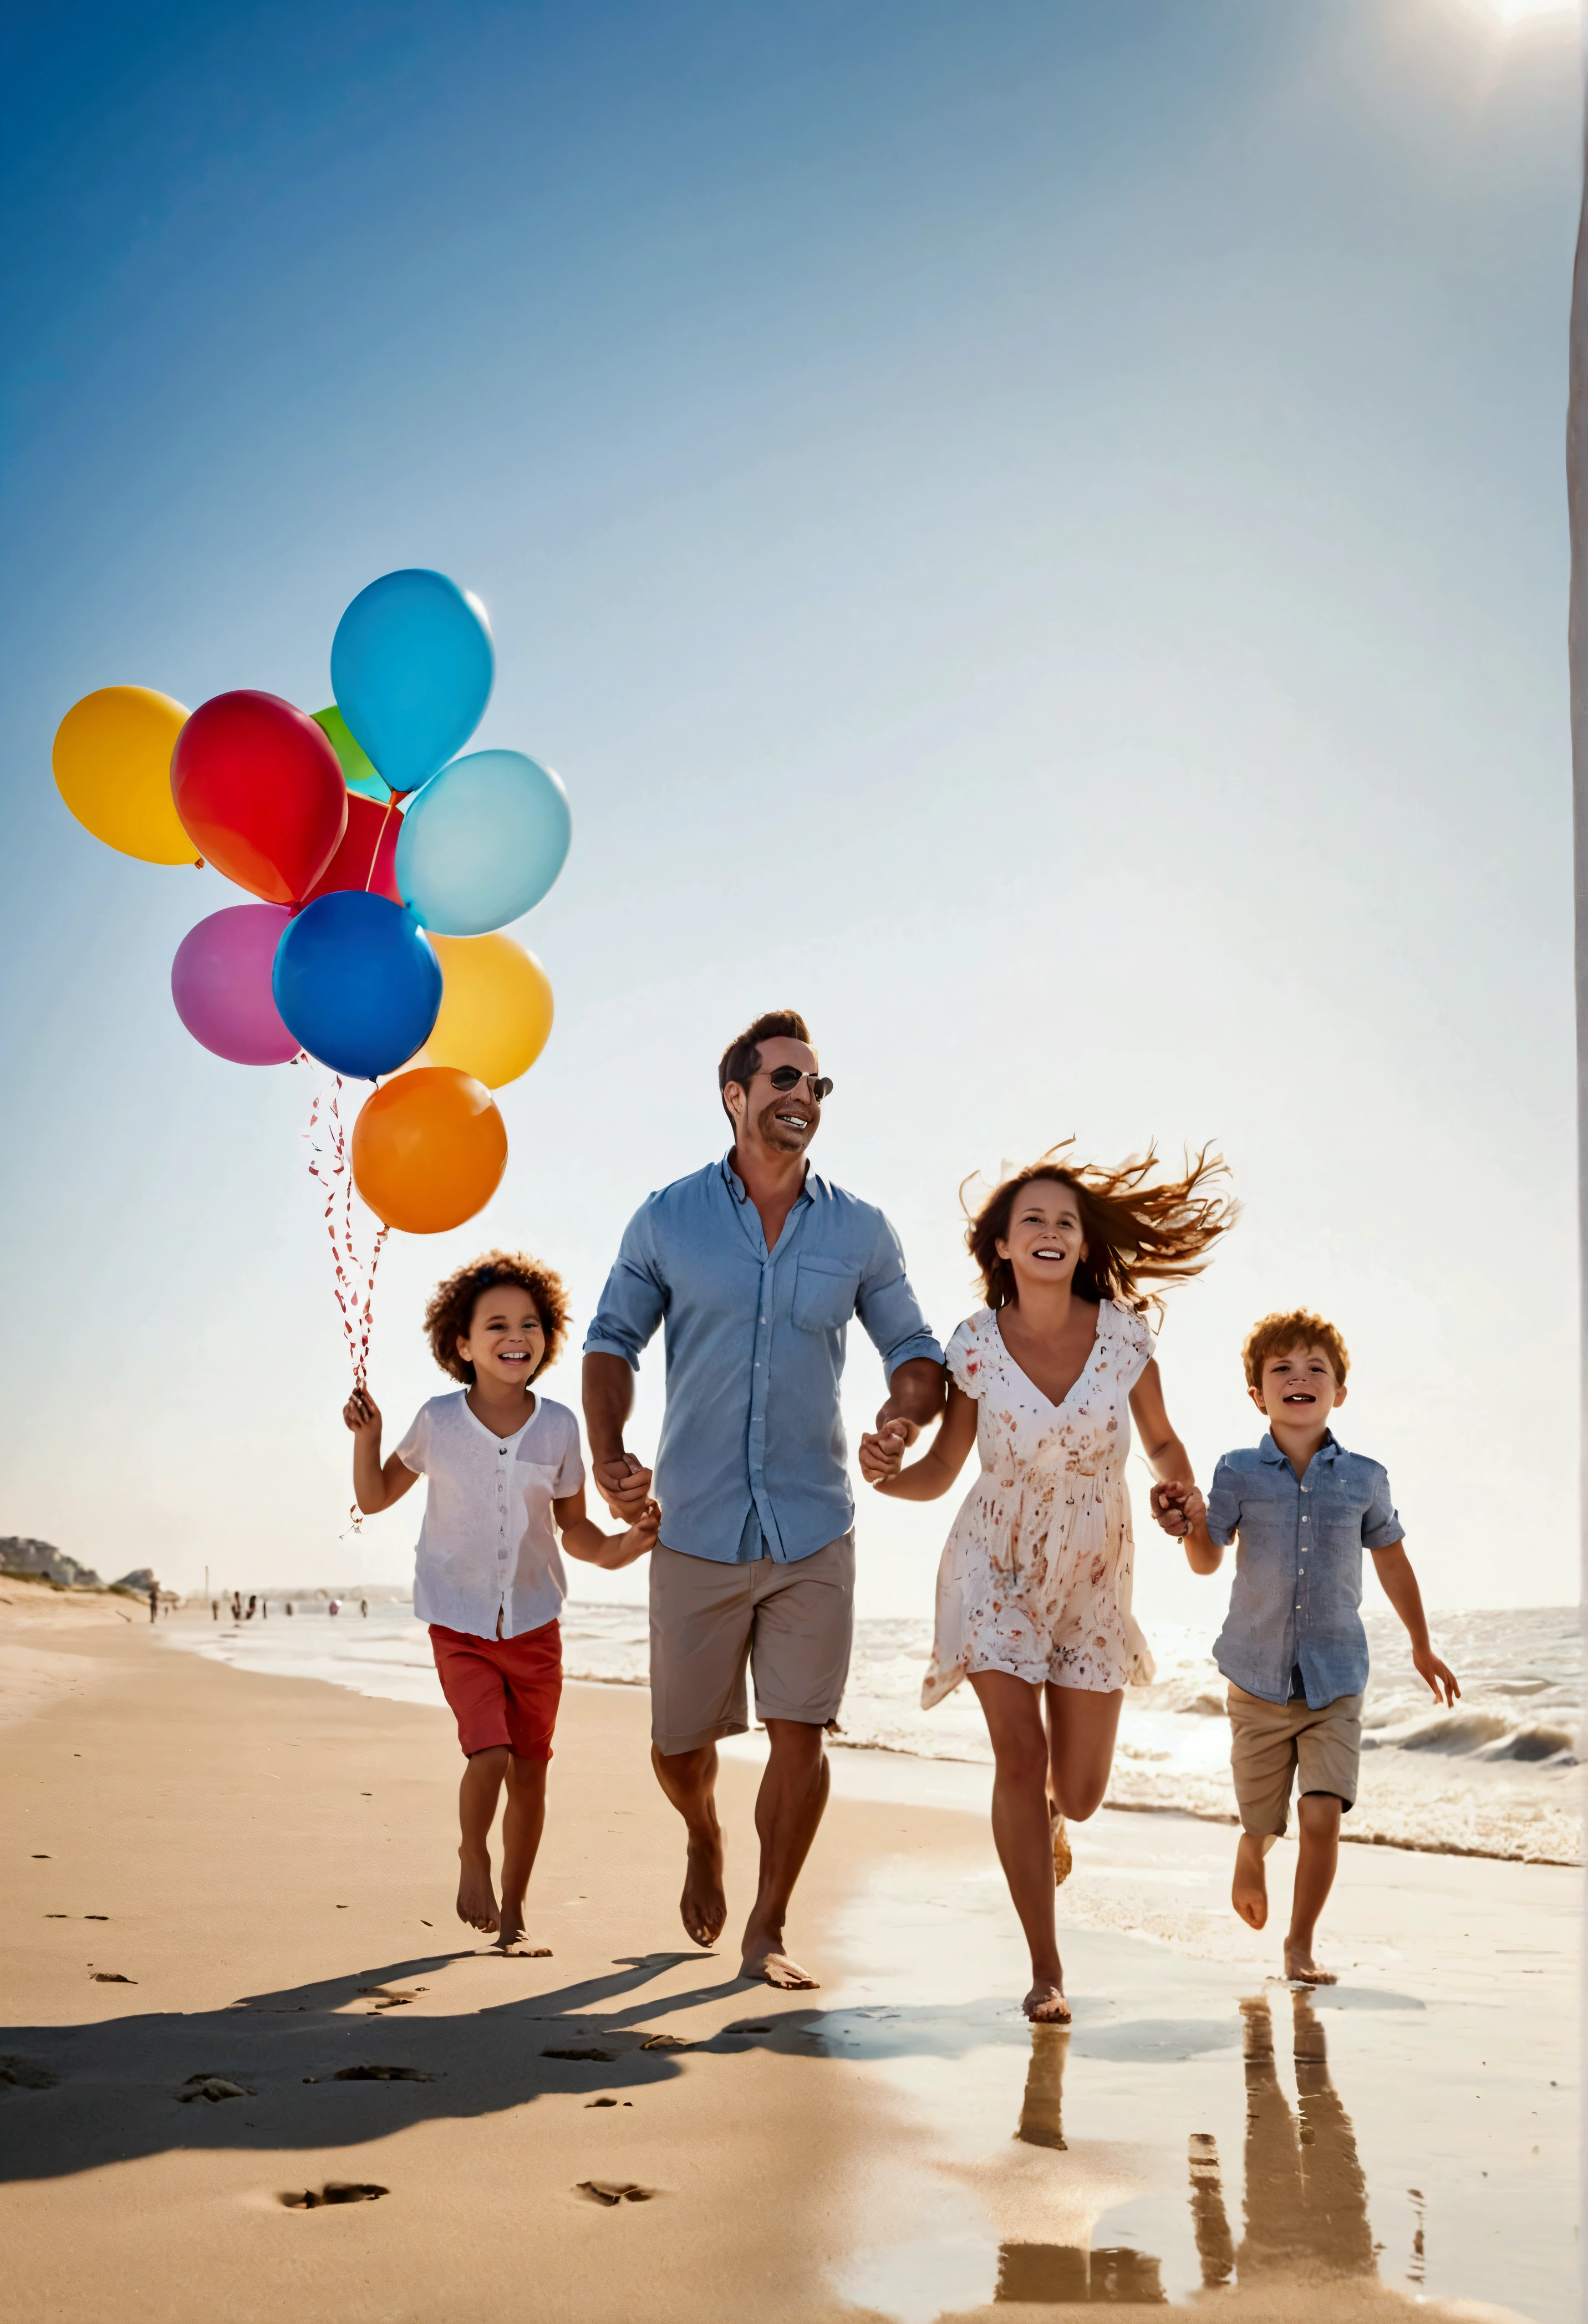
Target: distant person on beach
{"x": 154, "y": 1601}
{"x": 505, "y": 1479}
{"x": 755, "y": 1266}
{"x": 252, "y": 1609}
{"x": 1035, "y": 1585}
{"x": 1301, "y": 1509}
{"x": 236, "y": 1607}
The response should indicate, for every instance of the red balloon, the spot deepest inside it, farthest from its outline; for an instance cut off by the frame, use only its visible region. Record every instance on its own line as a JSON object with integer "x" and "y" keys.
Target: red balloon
{"x": 370, "y": 839}
{"x": 259, "y": 791}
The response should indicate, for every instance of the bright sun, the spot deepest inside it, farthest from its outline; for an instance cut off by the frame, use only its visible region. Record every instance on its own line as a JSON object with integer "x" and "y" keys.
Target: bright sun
{"x": 1521, "y": 12}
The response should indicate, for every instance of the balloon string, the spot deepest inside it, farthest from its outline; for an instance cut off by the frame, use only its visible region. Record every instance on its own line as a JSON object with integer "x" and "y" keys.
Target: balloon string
{"x": 374, "y": 856}
{"x": 354, "y": 1290}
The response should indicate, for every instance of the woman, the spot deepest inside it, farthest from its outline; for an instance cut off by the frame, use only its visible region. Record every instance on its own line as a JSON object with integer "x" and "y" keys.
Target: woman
{"x": 1034, "y": 1589}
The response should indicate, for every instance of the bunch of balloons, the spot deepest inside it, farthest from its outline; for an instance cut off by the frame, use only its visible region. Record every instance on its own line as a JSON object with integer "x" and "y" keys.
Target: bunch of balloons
{"x": 382, "y": 864}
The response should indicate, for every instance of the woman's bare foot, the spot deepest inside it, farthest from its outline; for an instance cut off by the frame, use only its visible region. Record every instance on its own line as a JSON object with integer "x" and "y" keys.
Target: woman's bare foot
{"x": 1249, "y": 1893}
{"x": 1045, "y": 2005}
{"x": 1063, "y": 1861}
{"x": 1300, "y": 1967}
{"x": 703, "y": 1906}
{"x": 765, "y": 1960}
{"x": 517, "y": 1946}
{"x": 477, "y": 1897}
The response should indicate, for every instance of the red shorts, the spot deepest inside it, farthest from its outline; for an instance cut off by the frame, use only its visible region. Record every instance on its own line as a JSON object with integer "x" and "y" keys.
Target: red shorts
{"x": 502, "y": 1690}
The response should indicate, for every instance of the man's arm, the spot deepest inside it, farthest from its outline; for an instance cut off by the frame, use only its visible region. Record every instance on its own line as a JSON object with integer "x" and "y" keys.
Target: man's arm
{"x": 609, "y": 1398}
{"x": 1393, "y": 1568}
{"x": 633, "y": 1303}
{"x": 916, "y": 1383}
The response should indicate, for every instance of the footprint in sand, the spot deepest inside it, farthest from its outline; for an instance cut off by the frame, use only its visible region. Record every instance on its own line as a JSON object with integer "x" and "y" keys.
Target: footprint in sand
{"x": 611, "y": 2192}
{"x": 583, "y": 2057}
{"x": 383, "y": 2074}
{"x": 334, "y": 2190}
{"x": 110, "y": 1976}
{"x": 213, "y": 2087}
{"x": 27, "y": 2074}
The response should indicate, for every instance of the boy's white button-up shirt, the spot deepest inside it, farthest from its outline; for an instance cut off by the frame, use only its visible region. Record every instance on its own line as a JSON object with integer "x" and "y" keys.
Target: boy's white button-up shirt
{"x": 488, "y": 1543}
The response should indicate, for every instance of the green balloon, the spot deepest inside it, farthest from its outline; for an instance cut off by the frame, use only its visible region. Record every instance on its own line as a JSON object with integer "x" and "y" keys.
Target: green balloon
{"x": 358, "y": 770}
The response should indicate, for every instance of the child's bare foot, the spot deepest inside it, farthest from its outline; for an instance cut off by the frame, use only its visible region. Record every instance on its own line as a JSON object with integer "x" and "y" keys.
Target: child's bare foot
{"x": 703, "y": 1906}
{"x": 477, "y": 1897}
{"x": 1249, "y": 1893}
{"x": 1300, "y": 1967}
{"x": 1045, "y": 2005}
{"x": 765, "y": 1959}
{"x": 1063, "y": 1860}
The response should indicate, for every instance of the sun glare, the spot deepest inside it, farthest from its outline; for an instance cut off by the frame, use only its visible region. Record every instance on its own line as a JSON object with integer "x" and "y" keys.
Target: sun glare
{"x": 1526, "y": 12}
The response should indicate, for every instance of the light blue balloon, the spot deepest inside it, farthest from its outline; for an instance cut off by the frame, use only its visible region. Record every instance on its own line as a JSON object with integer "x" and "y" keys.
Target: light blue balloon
{"x": 483, "y": 842}
{"x": 411, "y": 669}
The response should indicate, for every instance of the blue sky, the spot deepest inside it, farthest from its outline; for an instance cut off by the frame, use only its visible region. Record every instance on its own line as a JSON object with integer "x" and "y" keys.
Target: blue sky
{"x": 1035, "y": 533}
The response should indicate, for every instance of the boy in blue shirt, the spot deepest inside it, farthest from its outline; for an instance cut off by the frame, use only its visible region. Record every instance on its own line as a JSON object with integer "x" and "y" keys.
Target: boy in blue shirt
{"x": 1301, "y": 1510}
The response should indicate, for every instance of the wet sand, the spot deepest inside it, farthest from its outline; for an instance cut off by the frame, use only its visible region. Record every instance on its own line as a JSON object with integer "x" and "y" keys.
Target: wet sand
{"x": 255, "y": 1854}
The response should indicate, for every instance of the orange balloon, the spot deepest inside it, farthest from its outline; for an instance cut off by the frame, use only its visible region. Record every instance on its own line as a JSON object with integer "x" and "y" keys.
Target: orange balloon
{"x": 428, "y": 1149}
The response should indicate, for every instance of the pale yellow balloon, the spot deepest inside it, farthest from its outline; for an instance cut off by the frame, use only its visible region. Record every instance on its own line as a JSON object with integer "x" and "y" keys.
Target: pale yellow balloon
{"x": 495, "y": 1013}
{"x": 112, "y": 761}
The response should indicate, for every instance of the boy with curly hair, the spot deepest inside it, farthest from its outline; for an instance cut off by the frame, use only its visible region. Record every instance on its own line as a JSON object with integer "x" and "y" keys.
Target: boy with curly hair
{"x": 505, "y": 1479}
{"x": 1301, "y": 1509}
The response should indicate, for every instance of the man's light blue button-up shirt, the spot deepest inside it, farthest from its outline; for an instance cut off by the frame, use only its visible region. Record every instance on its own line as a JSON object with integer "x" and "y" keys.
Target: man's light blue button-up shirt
{"x": 1296, "y": 1598}
{"x": 755, "y": 1343}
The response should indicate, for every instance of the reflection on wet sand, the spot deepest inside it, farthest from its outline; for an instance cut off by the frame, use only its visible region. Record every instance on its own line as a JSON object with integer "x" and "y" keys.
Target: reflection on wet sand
{"x": 1305, "y": 2211}
{"x": 1033, "y": 2272}
{"x": 1307, "y": 2199}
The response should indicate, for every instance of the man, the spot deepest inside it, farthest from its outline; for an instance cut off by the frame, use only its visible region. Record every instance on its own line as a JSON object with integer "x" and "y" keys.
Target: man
{"x": 756, "y": 1265}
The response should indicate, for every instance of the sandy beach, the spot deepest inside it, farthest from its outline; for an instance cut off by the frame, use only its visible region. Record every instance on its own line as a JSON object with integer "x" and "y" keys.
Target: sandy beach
{"x": 217, "y": 1876}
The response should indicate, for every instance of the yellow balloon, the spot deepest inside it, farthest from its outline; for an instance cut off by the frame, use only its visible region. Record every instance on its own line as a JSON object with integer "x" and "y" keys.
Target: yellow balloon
{"x": 495, "y": 1008}
{"x": 112, "y": 761}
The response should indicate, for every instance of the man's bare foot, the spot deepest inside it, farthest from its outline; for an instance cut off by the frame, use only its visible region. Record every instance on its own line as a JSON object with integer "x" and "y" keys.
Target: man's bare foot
{"x": 1045, "y": 2005}
{"x": 1249, "y": 1893}
{"x": 766, "y": 1962}
{"x": 1063, "y": 1861}
{"x": 1300, "y": 1967}
{"x": 477, "y": 1897}
{"x": 703, "y": 1907}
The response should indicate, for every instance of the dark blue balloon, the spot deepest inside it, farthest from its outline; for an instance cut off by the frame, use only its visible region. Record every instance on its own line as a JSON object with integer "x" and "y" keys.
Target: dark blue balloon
{"x": 357, "y": 982}
{"x": 411, "y": 667}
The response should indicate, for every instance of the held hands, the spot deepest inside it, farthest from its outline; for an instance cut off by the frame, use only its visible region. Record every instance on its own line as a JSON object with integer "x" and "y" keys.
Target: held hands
{"x": 362, "y": 1414}
{"x": 882, "y": 1451}
{"x": 1437, "y": 1675}
{"x": 640, "y": 1536}
{"x": 1179, "y": 1507}
{"x": 625, "y": 1488}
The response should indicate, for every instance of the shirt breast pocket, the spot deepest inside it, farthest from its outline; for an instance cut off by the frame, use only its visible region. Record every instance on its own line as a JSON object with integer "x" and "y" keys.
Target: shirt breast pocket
{"x": 824, "y": 1291}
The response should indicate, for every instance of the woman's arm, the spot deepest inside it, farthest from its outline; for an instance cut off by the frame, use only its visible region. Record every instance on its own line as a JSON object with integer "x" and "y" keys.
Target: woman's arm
{"x": 1177, "y": 1504}
{"x": 375, "y": 1487}
{"x": 583, "y": 1538}
{"x": 930, "y": 1477}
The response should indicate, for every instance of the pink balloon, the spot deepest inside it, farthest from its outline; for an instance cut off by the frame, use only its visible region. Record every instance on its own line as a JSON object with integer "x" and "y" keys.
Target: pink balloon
{"x": 220, "y": 984}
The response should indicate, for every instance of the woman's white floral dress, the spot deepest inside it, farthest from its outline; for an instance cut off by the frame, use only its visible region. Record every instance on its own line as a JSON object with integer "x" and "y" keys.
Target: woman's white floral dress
{"x": 1035, "y": 1574}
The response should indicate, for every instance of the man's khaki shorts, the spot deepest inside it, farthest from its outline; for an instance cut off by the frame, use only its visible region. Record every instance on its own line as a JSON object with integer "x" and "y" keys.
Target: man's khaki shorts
{"x": 1271, "y": 1744}
{"x": 794, "y": 1624}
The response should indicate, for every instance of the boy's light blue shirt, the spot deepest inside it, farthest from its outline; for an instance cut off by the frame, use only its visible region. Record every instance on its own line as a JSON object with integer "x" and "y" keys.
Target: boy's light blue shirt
{"x": 1296, "y": 1597}
{"x": 751, "y": 1438}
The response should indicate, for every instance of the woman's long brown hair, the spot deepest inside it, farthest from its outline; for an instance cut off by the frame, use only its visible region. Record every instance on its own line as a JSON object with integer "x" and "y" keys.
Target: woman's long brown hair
{"x": 1137, "y": 1233}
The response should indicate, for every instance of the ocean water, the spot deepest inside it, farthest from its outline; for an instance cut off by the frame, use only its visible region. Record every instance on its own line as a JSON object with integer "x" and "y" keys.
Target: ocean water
{"x": 1497, "y": 1775}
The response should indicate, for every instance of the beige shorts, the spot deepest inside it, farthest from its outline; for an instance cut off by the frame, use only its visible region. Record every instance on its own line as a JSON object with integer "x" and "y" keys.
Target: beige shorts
{"x": 1272, "y": 1744}
{"x": 793, "y": 1624}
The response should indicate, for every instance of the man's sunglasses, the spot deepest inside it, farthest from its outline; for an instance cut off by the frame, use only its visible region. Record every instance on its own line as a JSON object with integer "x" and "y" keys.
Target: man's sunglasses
{"x": 787, "y": 1077}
